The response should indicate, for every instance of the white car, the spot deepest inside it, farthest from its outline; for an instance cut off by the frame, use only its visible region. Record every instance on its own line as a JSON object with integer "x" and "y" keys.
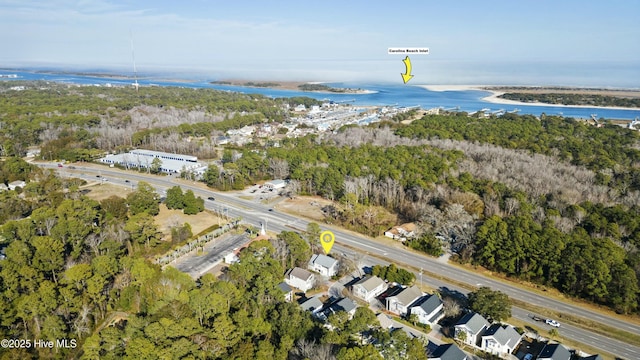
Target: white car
{"x": 552, "y": 323}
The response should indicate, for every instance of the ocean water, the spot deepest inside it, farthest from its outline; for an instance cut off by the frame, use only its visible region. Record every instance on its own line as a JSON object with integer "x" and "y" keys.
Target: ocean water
{"x": 380, "y": 94}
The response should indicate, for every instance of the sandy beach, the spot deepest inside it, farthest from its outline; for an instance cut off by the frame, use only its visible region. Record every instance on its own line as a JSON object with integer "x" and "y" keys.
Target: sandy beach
{"x": 495, "y": 99}
{"x": 497, "y": 90}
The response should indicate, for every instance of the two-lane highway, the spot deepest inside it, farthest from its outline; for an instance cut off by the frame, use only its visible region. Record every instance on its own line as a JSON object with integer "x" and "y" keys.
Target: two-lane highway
{"x": 256, "y": 213}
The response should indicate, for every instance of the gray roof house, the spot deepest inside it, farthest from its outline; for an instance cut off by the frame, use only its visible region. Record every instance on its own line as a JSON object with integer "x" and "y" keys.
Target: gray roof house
{"x": 313, "y": 305}
{"x": 368, "y": 288}
{"x": 324, "y": 265}
{"x": 300, "y": 278}
{"x": 401, "y": 302}
{"x": 448, "y": 352}
{"x": 344, "y": 304}
{"x": 500, "y": 340}
{"x": 592, "y": 357}
{"x": 554, "y": 352}
{"x": 471, "y": 324}
{"x": 428, "y": 308}
{"x": 287, "y": 290}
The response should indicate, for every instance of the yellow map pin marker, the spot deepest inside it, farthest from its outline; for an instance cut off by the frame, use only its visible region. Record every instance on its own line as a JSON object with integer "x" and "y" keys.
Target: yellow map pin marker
{"x": 327, "y": 239}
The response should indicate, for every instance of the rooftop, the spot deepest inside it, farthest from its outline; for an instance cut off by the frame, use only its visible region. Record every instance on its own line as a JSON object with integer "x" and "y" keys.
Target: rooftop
{"x": 369, "y": 282}
{"x": 299, "y": 273}
{"x": 323, "y": 260}
{"x": 408, "y": 295}
{"x": 428, "y": 303}
{"x": 473, "y": 322}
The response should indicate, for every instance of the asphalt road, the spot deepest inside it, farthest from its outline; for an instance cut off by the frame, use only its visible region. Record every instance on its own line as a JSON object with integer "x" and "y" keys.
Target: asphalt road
{"x": 257, "y": 213}
{"x": 198, "y": 264}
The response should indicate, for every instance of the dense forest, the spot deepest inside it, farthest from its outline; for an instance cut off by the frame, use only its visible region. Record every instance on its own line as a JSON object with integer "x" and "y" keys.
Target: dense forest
{"x": 550, "y": 200}
{"x": 573, "y": 99}
{"x": 77, "y": 269}
{"x": 553, "y": 201}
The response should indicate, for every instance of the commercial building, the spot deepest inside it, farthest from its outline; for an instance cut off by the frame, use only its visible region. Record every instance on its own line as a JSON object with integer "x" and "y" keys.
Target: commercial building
{"x": 169, "y": 163}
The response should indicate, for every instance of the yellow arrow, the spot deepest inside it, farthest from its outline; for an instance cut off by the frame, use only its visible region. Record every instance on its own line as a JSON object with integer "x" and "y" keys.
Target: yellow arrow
{"x": 407, "y": 74}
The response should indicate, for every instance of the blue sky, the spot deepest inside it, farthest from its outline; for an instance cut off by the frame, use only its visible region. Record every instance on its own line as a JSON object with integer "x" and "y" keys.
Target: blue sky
{"x": 587, "y": 43}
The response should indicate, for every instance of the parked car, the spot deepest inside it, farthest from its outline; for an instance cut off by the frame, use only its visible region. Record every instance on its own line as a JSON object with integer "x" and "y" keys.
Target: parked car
{"x": 553, "y": 323}
{"x": 528, "y": 357}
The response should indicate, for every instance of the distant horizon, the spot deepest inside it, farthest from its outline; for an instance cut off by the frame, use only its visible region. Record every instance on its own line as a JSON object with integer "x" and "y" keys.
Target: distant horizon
{"x": 165, "y": 73}
{"x": 546, "y": 42}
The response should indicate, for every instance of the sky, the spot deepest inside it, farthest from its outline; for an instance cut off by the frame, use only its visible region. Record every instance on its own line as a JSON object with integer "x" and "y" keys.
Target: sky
{"x": 528, "y": 42}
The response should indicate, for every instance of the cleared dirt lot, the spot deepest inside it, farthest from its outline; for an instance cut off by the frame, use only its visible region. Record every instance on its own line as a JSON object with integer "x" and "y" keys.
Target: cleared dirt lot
{"x": 165, "y": 219}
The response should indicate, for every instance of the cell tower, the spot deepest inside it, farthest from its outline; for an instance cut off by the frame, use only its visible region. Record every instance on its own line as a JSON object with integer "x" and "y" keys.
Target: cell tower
{"x": 133, "y": 57}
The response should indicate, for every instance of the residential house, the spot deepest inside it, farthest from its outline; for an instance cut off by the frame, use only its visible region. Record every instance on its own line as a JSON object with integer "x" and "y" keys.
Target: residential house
{"x": 342, "y": 304}
{"x": 231, "y": 258}
{"x": 287, "y": 290}
{"x": 401, "y": 232}
{"x": 400, "y": 303}
{"x": 429, "y": 309}
{"x": 324, "y": 265}
{"x": 554, "y": 352}
{"x": 500, "y": 340}
{"x": 300, "y": 279}
{"x": 368, "y": 288}
{"x": 3, "y": 187}
{"x": 469, "y": 327}
{"x": 313, "y": 305}
{"x": 385, "y": 321}
{"x": 592, "y": 357}
{"x": 18, "y": 183}
{"x": 448, "y": 352}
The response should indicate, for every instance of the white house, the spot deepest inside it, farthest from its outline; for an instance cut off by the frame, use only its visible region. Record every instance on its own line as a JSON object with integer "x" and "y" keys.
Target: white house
{"x": 324, "y": 265}
{"x": 300, "y": 279}
{"x": 500, "y": 340}
{"x": 401, "y": 232}
{"x": 231, "y": 258}
{"x": 368, "y": 288}
{"x": 429, "y": 309}
{"x": 401, "y": 302}
{"x": 469, "y": 327}
{"x": 18, "y": 183}
{"x": 287, "y": 290}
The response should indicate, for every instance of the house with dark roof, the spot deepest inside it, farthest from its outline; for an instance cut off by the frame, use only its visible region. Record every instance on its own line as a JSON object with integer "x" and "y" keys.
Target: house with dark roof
{"x": 335, "y": 305}
{"x": 592, "y": 357}
{"x": 428, "y": 308}
{"x": 287, "y": 290}
{"x": 324, "y": 265}
{"x": 469, "y": 328}
{"x": 400, "y": 303}
{"x": 554, "y": 352}
{"x": 300, "y": 279}
{"x": 313, "y": 305}
{"x": 448, "y": 352}
{"x": 500, "y": 340}
{"x": 368, "y": 288}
